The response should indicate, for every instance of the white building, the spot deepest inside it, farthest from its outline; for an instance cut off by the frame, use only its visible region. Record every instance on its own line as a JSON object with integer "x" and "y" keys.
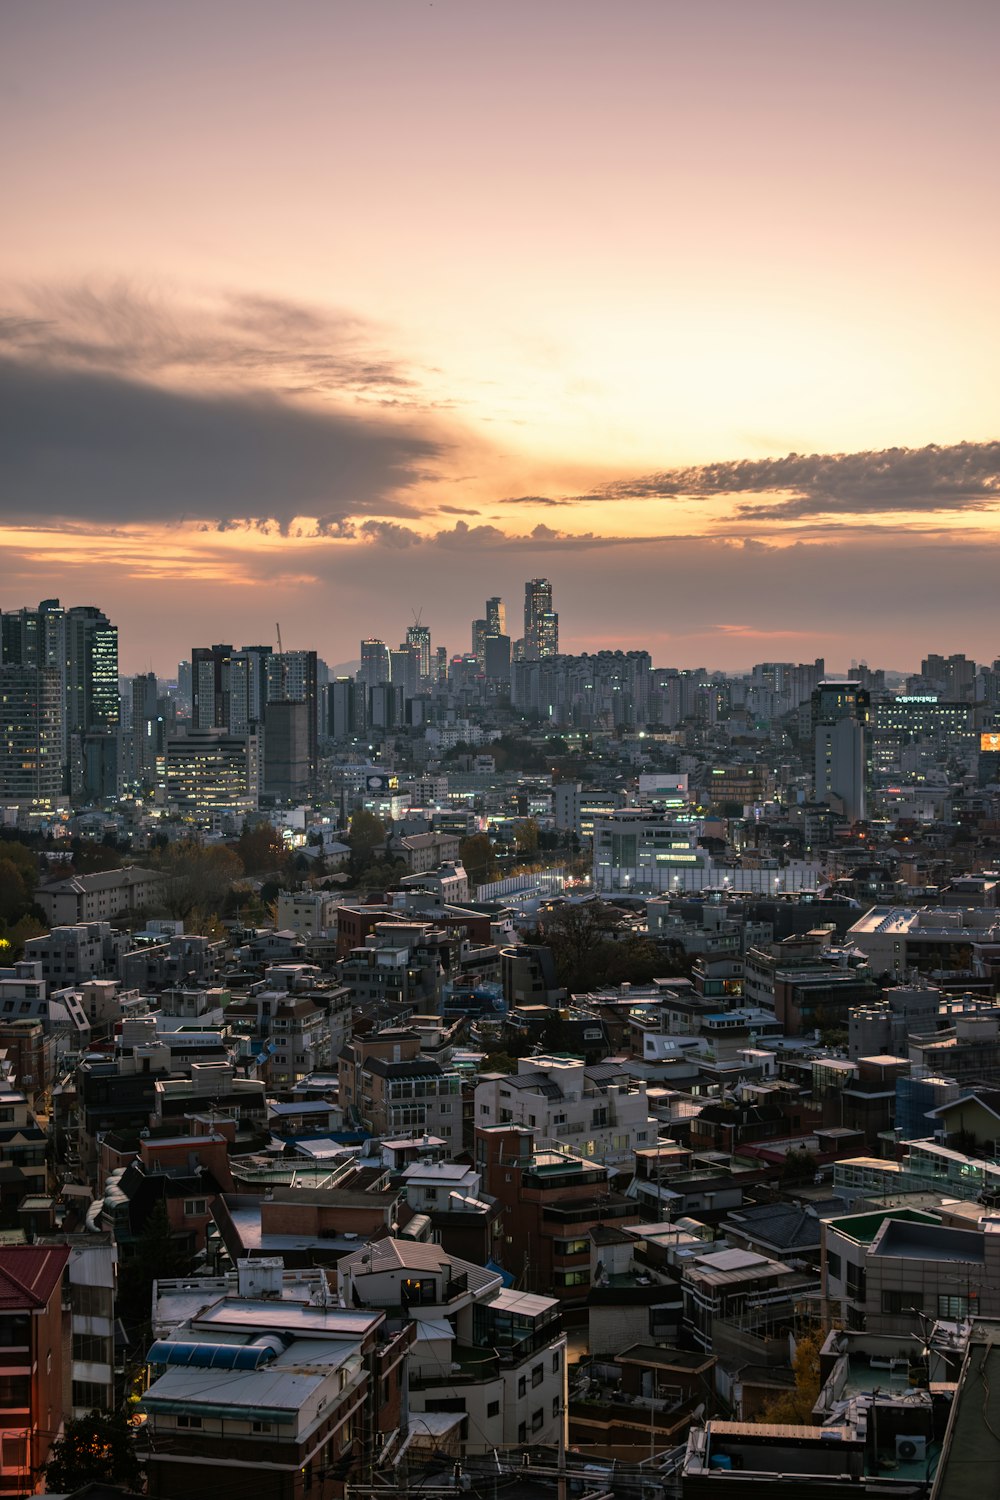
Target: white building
{"x": 598, "y": 1112}
{"x": 492, "y": 1353}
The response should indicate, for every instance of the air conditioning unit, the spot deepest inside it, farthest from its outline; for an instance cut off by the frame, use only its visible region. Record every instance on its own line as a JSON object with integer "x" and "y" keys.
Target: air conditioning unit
{"x": 911, "y": 1449}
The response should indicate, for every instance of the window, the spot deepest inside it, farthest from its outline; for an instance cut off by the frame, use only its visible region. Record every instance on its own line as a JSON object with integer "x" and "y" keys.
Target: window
{"x": 537, "y": 1375}
{"x": 195, "y": 1208}
{"x": 92, "y": 1347}
{"x": 493, "y": 1409}
{"x": 898, "y": 1302}
{"x": 555, "y": 1406}
{"x": 522, "y": 1386}
{"x": 834, "y": 1266}
{"x": 953, "y": 1306}
{"x": 14, "y": 1333}
{"x": 15, "y": 1391}
{"x": 260, "y": 1427}
{"x": 15, "y": 1451}
{"x": 88, "y": 1393}
{"x": 555, "y": 1363}
{"x": 522, "y": 1432}
{"x": 189, "y": 1421}
{"x": 91, "y": 1301}
{"x": 538, "y": 1419}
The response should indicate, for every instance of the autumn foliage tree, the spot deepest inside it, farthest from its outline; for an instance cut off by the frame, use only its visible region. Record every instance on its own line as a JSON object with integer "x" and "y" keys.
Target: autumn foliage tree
{"x": 795, "y": 1406}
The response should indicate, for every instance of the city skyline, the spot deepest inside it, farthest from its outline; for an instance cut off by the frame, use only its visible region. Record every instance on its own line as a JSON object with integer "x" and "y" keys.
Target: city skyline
{"x": 343, "y": 313}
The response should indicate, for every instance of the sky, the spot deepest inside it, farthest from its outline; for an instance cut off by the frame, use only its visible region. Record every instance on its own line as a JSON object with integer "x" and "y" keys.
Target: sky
{"x": 334, "y": 314}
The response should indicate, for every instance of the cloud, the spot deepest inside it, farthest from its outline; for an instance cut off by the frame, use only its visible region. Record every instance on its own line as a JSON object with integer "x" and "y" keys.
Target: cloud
{"x": 963, "y": 476}
{"x": 81, "y": 443}
{"x": 126, "y": 329}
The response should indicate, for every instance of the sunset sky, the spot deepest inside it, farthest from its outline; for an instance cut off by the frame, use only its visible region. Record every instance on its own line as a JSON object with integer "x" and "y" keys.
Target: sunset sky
{"x": 325, "y": 313}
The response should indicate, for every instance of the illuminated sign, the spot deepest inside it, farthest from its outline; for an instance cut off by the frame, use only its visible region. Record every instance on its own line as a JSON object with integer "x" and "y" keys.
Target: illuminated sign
{"x": 917, "y": 698}
{"x": 990, "y": 742}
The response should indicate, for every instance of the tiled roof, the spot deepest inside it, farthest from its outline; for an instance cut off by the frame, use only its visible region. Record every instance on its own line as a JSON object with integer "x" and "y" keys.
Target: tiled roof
{"x": 28, "y": 1274}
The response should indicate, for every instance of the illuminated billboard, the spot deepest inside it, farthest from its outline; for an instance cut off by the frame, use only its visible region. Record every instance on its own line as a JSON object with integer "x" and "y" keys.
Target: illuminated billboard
{"x": 990, "y": 740}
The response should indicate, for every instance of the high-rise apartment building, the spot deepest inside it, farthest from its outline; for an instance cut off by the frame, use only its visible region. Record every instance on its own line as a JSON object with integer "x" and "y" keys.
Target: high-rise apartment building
{"x": 541, "y": 623}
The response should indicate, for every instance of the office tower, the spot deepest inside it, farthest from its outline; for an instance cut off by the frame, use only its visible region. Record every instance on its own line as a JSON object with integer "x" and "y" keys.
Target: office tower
{"x": 144, "y": 731}
{"x": 478, "y": 639}
{"x": 840, "y": 767}
{"x": 345, "y": 710}
{"x": 210, "y": 772}
{"x": 37, "y": 638}
{"x": 496, "y": 617}
{"x": 289, "y": 763}
{"x": 404, "y": 670}
{"x": 496, "y": 659}
{"x": 30, "y": 740}
{"x": 840, "y": 712}
{"x": 420, "y": 637}
{"x": 248, "y": 679}
{"x": 832, "y": 700}
{"x": 293, "y": 678}
{"x": 441, "y": 665}
{"x": 91, "y": 670}
{"x": 385, "y": 706}
{"x": 541, "y": 623}
{"x": 374, "y": 667}
{"x": 185, "y": 684}
{"x": 210, "y": 686}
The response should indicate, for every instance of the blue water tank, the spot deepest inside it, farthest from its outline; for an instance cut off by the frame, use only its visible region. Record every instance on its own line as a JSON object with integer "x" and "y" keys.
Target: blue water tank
{"x": 720, "y": 1461}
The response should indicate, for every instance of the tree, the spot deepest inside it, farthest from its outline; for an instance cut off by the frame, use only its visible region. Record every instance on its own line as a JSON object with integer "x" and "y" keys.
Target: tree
{"x": 198, "y": 877}
{"x": 98, "y": 1448}
{"x": 526, "y": 836}
{"x": 795, "y": 1406}
{"x": 477, "y": 855}
{"x": 260, "y": 849}
{"x": 367, "y": 837}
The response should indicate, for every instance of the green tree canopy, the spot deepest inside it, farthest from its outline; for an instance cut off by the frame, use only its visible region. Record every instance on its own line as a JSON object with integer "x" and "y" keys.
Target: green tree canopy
{"x": 98, "y": 1448}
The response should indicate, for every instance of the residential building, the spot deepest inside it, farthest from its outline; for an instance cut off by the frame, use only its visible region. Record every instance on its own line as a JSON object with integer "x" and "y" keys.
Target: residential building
{"x": 270, "y": 1383}
{"x": 492, "y": 1355}
{"x": 600, "y": 1113}
{"x": 32, "y": 1351}
{"x": 100, "y": 897}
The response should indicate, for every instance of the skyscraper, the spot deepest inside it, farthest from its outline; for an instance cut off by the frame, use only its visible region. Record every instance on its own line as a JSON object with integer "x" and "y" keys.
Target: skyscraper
{"x": 496, "y": 617}
{"x": 30, "y": 758}
{"x": 374, "y": 667}
{"x": 541, "y": 623}
{"x": 210, "y": 686}
{"x": 420, "y": 637}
